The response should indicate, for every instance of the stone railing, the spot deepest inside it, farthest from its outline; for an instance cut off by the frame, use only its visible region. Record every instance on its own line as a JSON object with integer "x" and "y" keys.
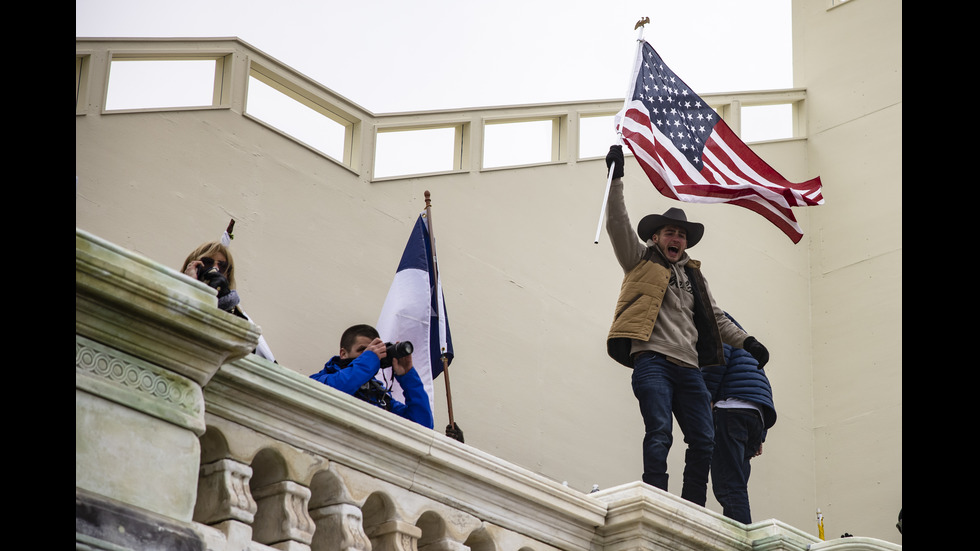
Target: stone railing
{"x": 185, "y": 441}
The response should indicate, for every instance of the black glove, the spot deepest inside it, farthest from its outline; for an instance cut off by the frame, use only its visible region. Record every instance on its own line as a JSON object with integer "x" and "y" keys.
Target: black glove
{"x": 759, "y": 352}
{"x": 453, "y": 431}
{"x": 215, "y": 280}
{"x": 615, "y": 155}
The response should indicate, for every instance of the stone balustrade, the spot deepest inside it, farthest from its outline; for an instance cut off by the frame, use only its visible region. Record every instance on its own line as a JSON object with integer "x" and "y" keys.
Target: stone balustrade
{"x": 186, "y": 441}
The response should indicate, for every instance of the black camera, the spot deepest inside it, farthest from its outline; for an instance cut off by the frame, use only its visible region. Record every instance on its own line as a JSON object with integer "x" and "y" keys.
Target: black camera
{"x": 397, "y": 350}
{"x": 210, "y": 274}
{"x": 374, "y": 392}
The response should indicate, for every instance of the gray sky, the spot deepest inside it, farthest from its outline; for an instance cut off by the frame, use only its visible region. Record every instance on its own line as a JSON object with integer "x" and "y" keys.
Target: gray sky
{"x": 398, "y": 55}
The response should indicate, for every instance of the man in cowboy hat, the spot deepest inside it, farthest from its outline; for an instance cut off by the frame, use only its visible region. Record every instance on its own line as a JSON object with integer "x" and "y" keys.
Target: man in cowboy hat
{"x": 666, "y": 327}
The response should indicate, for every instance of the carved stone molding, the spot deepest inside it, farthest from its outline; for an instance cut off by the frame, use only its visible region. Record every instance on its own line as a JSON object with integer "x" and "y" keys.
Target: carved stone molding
{"x": 137, "y": 384}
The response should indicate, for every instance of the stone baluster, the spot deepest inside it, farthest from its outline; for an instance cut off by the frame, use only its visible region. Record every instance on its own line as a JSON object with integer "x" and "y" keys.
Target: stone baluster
{"x": 339, "y": 527}
{"x": 395, "y": 535}
{"x": 282, "y": 520}
{"x": 225, "y": 502}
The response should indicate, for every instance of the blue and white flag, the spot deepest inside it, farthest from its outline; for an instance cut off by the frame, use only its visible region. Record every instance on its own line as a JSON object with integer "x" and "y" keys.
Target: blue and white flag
{"x": 415, "y": 311}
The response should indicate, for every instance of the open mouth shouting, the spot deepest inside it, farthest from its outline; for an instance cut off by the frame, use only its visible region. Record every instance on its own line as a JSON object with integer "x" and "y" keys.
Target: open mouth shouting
{"x": 672, "y": 240}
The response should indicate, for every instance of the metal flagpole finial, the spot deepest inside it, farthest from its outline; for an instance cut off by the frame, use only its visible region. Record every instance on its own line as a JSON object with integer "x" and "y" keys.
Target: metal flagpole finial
{"x": 641, "y": 24}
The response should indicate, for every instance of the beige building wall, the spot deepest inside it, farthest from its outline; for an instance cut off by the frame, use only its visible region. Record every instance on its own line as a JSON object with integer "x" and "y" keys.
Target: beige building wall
{"x": 529, "y": 295}
{"x": 849, "y": 58}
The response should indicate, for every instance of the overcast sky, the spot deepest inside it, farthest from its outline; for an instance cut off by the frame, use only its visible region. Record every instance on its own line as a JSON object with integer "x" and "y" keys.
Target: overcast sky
{"x": 403, "y": 55}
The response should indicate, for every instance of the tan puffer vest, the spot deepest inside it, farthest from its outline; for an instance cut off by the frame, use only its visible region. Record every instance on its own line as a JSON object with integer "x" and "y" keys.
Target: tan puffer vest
{"x": 640, "y": 298}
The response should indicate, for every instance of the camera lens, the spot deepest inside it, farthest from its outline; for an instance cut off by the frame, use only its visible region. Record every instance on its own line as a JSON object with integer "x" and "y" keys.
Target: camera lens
{"x": 399, "y": 350}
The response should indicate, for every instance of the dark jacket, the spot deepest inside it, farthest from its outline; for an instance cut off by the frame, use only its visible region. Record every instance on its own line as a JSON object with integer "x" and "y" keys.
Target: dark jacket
{"x": 741, "y": 378}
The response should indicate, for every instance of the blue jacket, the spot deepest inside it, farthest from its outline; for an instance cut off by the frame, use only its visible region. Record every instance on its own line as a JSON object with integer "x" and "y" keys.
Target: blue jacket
{"x": 741, "y": 378}
{"x": 357, "y": 379}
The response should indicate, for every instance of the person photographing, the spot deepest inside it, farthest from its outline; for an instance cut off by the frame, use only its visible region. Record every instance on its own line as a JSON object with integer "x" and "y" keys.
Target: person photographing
{"x": 212, "y": 264}
{"x": 362, "y": 354}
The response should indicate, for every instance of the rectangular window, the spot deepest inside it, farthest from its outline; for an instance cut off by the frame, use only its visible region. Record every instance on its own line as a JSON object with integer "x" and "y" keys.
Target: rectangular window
{"x": 767, "y": 122}
{"x": 297, "y": 119}
{"x": 81, "y": 85}
{"x": 515, "y": 143}
{"x": 416, "y": 151}
{"x": 595, "y": 134}
{"x": 160, "y": 83}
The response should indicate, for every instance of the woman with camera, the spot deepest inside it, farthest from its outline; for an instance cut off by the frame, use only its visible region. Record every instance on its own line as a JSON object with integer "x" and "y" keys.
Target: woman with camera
{"x": 212, "y": 263}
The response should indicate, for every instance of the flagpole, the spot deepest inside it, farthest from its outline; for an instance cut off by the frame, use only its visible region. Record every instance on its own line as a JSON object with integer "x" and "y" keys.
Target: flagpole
{"x": 435, "y": 268}
{"x": 619, "y": 130}
{"x": 229, "y": 233}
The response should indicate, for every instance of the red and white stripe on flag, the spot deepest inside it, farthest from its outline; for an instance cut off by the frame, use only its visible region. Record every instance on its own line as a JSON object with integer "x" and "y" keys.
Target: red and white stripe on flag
{"x": 691, "y": 155}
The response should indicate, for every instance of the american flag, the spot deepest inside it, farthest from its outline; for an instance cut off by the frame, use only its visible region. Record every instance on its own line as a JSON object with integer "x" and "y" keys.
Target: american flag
{"x": 691, "y": 155}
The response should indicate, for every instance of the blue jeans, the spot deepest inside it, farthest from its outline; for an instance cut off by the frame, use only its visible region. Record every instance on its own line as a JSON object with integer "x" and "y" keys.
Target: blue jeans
{"x": 665, "y": 391}
{"x": 738, "y": 437}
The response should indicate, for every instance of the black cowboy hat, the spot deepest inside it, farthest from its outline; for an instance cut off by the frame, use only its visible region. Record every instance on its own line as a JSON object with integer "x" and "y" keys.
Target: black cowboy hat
{"x": 673, "y": 216}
